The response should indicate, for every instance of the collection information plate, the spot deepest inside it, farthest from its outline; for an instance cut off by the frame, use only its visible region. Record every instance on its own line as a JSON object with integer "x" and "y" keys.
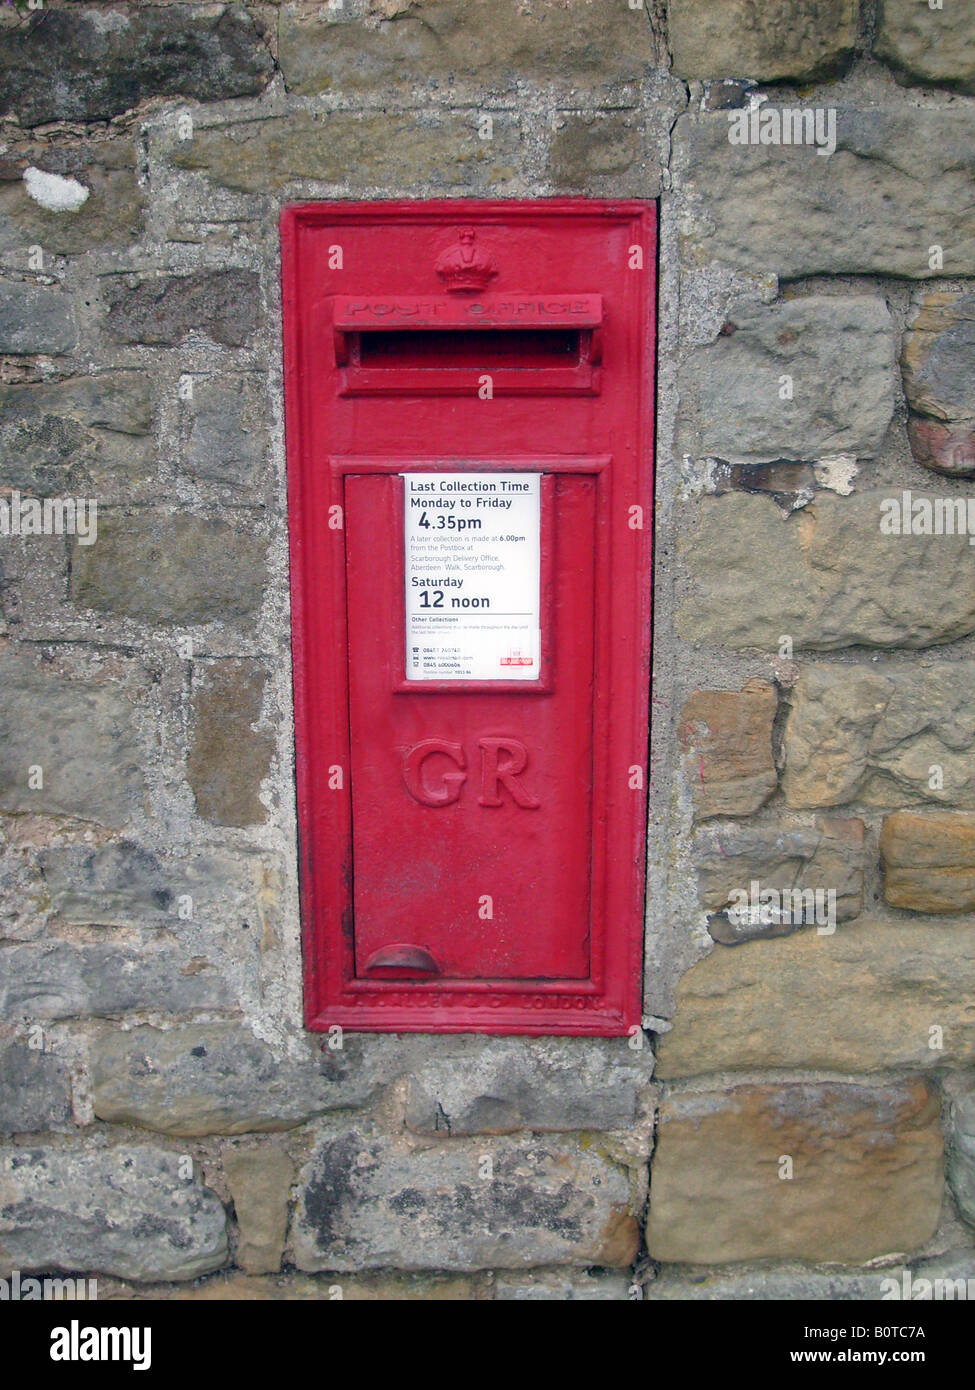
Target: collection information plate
{"x": 472, "y": 576}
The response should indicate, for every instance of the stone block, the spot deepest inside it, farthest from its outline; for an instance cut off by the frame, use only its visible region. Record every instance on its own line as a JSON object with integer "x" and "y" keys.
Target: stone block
{"x": 169, "y": 568}
{"x": 367, "y": 150}
{"x": 777, "y": 40}
{"x": 897, "y": 184}
{"x": 726, "y": 739}
{"x": 925, "y": 45}
{"x": 260, "y": 1184}
{"x": 542, "y": 1084}
{"x": 35, "y": 1090}
{"x": 68, "y": 198}
{"x": 827, "y": 576}
{"x": 822, "y": 860}
{"x": 884, "y": 736}
{"x": 368, "y": 1202}
{"x": 833, "y": 356}
{"x": 128, "y": 1210}
{"x": 35, "y": 318}
{"x": 84, "y": 758}
{"x": 869, "y": 998}
{"x": 163, "y": 311}
{"x": 219, "y": 1078}
{"x": 929, "y": 860}
{"x": 865, "y": 1178}
{"x": 451, "y": 46}
{"x": 228, "y": 757}
{"x": 938, "y": 362}
{"x": 90, "y": 64}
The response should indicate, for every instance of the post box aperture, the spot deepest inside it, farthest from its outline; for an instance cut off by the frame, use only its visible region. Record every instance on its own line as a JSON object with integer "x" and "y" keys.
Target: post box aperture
{"x": 469, "y": 431}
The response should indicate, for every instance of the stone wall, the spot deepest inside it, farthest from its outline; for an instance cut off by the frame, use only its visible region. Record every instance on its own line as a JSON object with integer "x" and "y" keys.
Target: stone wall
{"x": 803, "y": 1095}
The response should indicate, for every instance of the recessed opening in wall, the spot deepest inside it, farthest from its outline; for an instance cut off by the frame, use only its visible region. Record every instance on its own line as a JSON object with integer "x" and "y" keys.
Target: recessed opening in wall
{"x": 469, "y": 424}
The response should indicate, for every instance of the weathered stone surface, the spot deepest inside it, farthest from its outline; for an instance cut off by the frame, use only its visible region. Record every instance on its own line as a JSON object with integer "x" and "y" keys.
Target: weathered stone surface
{"x": 862, "y": 1000}
{"x": 368, "y": 1202}
{"x": 111, "y": 212}
{"x": 218, "y": 1078}
{"x": 563, "y": 1286}
{"x": 244, "y": 1288}
{"x": 223, "y": 304}
{"x": 898, "y": 183}
{"x": 86, "y": 746}
{"x": 121, "y": 402}
{"x": 929, "y": 861}
{"x": 169, "y": 568}
{"x": 57, "y": 979}
{"x": 826, "y": 575}
{"x": 799, "y": 39}
{"x": 938, "y": 362}
{"x": 62, "y": 438}
{"x": 938, "y": 357}
{"x": 126, "y": 1211}
{"x": 88, "y": 64}
{"x": 793, "y": 1282}
{"x": 35, "y": 318}
{"x": 726, "y": 739}
{"x": 224, "y": 435}
{"x": 884, "y": 737}
{"x": 603, "y": 153}
{"x": 825, "y": 858}
{"x": 922, "y": 44}
{"x": 451, "y": 44}
{"x": 371, "y": 150}
{"x": 228, "y": 758}
{"x": 125, "y": 884}
{"x": 35, "y": 1090}
{"x": 24, "y": 899}
{"x": 946, "y": 449}
{"x": 866, "y": 1179}
{"x": 529, "y": 1083}
{"x": 260, "y": 1183}
{"x": 839, "y": 356}
{"x": 961, "y": 1153}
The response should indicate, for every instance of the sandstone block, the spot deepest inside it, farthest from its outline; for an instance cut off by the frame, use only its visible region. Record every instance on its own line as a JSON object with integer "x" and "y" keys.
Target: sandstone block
{"x": 886, "y": 737}
{"x": 929, "y": 860}
{"x": 866, "y": 1173}
{"x": 862, "y": 1000}
{"x": 897, "y": 184}
{"x": 726, "y": 739}
{"x": 927, "y": 45}
{"x": 797, "y": 39}
{"x": 223, "y": 304}
{"x": 826, "y": 575}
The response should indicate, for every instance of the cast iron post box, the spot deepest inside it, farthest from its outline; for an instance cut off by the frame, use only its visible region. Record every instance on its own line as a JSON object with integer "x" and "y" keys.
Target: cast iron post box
{"x": 468, "y": 409}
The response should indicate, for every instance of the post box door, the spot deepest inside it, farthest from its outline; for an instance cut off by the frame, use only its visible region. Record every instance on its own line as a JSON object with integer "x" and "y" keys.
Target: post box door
{"x": 471, "y": 806}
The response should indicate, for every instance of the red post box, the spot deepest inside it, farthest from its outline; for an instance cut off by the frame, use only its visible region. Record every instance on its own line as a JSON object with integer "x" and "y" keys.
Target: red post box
{"x": 469, "y": 429}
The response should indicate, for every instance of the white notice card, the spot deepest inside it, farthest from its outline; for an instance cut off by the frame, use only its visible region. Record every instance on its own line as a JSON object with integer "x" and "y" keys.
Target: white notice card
{"x": 472, "y": 576}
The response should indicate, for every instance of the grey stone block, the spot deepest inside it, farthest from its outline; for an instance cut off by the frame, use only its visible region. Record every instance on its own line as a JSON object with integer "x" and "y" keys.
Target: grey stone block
{"x": 127, "y": 1211}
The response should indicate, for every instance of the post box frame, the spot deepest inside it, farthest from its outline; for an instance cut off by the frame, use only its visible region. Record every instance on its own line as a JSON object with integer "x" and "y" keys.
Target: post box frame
{"x": 609, "y": 1001}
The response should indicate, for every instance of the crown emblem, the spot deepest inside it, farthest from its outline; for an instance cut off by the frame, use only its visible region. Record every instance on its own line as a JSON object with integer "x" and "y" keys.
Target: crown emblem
{"x": 464, "y": 266}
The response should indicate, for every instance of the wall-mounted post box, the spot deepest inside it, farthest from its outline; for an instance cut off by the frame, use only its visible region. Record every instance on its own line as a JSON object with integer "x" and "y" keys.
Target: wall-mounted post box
{"x": 469, "y": 395}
